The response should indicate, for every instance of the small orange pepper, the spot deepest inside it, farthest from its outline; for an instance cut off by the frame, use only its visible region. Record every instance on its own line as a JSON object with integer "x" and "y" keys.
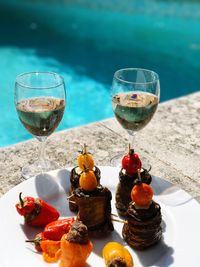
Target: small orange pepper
{"x": 50, "y": 250}
{"x": 74, "y": 254}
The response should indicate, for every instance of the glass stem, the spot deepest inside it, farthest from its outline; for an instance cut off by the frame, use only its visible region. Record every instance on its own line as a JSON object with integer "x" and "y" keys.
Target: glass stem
{"x": 132, "y": 139}
{"x": 42, "y": 153}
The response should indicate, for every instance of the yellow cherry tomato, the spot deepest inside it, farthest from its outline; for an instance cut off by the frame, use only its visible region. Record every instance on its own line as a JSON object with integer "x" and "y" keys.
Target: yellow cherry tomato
{"x": 88, "y": 180}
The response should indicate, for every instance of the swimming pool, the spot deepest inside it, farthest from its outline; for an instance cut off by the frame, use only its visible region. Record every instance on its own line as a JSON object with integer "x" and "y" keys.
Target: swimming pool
{"x": 86, "y": 41}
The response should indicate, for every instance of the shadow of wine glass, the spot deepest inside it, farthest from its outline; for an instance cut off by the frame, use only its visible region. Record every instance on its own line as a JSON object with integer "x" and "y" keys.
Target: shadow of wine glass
{"x": 52, "y": 188}
{"x": 168, "y": 193}
{"x": 63, "y": 177}
{"x": 46, "y": 186}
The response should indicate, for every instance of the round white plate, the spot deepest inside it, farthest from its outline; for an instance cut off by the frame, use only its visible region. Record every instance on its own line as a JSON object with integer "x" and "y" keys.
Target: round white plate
{"x": 181, "y": 222}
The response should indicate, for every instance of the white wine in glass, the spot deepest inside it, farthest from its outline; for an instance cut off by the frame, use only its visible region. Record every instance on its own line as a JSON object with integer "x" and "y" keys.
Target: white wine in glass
{"x": 40, "y": 100}
{"x": 135, "y": 97}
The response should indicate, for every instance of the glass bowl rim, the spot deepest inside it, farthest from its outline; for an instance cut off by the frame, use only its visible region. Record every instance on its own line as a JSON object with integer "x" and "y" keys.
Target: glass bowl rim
{"x": 156, "y": 79}
{"x": 20, "y": 83}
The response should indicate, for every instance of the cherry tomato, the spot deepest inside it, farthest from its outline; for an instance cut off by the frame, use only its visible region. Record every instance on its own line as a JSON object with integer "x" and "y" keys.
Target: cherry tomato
{"x": 131, "y": 163}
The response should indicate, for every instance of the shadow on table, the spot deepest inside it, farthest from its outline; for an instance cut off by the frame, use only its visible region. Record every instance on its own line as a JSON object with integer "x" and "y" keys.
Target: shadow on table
{"x": 30, "y": 233}
{"x": 100, "y": 242}
{"x": 159, "y": 255}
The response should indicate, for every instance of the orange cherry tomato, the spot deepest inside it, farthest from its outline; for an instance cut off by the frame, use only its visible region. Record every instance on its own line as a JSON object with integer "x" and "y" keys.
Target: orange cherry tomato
{"x": 142, "y": 194}
{"x": 88, "y": 180}
{"x": 85, "y": 160}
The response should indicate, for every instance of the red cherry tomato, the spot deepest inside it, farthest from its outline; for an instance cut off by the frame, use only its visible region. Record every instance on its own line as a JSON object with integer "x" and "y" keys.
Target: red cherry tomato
{"x": 131, "y": 163}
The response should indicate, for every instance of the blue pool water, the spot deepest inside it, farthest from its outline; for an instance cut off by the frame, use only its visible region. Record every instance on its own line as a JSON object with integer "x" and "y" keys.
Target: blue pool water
{"x": 86, "y": 44}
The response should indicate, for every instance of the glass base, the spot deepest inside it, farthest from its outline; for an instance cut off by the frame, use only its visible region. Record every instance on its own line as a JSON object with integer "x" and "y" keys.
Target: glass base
{"x": 116, "y": 161}
{"x": 38, "y": 167}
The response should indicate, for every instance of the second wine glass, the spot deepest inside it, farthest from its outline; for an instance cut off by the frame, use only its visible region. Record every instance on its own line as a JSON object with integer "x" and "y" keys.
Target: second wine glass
{"x": 135, "y": 97}
{"x": 40, "y": 100}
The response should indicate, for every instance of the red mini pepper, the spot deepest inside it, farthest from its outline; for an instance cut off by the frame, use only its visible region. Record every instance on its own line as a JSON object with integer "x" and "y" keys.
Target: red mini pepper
{"x": 55, "y": 230}
{"x": 25, "y": 205}
{"x": 36, "y": 211}
{"x": 52, "y": 231}
{"x": 37, "y": 241}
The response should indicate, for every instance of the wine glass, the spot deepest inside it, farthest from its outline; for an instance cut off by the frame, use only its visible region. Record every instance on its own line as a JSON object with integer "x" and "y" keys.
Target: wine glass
{"x": 40, "y": 99}
{"x": 135, "y": 97}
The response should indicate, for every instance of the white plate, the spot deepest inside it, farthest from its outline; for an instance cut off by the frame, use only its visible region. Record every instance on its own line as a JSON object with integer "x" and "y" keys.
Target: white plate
{"x": 181, "y": 222}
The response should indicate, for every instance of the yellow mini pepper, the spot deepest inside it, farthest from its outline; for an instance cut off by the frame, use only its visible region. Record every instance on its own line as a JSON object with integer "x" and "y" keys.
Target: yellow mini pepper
{"x": 115, "y": 254}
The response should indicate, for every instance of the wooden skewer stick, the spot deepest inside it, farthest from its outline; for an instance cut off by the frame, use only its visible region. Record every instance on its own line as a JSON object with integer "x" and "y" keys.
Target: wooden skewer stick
{"x": 120, "y": 221}
{"x": 115, "y": 215}
{"x": 70, "y": 196}
{"x": 139, "y": 174}
{"x": 85, "y": 149}
{"x": 73, "y": 202}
